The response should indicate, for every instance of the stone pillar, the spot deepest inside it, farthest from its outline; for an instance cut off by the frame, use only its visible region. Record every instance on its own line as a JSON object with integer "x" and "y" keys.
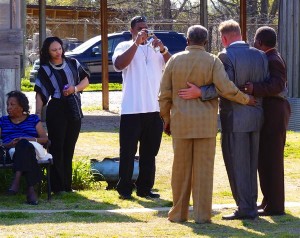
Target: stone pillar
{"x": 11, "y": 49}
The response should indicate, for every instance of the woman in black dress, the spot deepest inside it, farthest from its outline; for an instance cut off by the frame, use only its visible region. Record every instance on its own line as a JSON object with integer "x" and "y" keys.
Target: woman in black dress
{"x": 60, "y": 78}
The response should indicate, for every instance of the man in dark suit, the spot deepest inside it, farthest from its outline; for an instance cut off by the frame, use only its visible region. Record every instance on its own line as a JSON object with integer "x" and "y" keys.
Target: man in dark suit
{"x": 240, "y": 124}
{"x": 276, "y": 117}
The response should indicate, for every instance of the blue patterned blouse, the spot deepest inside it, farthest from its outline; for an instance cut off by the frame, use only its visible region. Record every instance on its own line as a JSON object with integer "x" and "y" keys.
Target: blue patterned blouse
{"x": 26, "y": 128}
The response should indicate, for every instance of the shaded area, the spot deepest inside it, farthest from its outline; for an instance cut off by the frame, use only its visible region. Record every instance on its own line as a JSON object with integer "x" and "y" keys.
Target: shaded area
{"x": 107, "y": 122}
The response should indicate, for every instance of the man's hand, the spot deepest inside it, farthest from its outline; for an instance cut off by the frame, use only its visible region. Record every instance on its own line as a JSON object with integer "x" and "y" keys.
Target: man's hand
{"x": 247, "y": 88}
{"x": 141, "y": 37}
{"x": 167, "y": 129}
{"x": 252, "y": 101}
{"x": 190, "y": 93}
{"x": 157, "y": 43}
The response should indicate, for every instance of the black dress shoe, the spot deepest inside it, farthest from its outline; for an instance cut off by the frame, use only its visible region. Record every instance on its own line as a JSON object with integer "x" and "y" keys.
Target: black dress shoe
{"x": 125, "y": 196}
{"x": 34, "y": 203}
{"x": 148, "y": 194}
{"x": 237, "y": 216}
{"x": 269, "y": 213}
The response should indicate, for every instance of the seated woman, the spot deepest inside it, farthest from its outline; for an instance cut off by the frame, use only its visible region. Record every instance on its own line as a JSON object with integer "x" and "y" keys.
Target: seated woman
{"x": 16, "y": 131}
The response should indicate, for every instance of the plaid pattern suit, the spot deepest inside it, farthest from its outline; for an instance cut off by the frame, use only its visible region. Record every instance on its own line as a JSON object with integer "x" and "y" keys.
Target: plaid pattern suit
{"x": 194, "y": 128}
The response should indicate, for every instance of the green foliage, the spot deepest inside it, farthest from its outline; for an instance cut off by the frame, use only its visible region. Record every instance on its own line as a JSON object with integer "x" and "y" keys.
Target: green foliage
{"x": 82, "y": 178}
{"x": 98, "y": 87}
{"x": 26, "y": 86}
{"x": 92, "y": 108}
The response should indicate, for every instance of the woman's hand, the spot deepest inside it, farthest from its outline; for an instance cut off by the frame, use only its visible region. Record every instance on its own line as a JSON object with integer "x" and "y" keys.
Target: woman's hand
{"x": 69, "y": 90}
{"x": 15, "y": 141}
{"x": 12, "y": 144}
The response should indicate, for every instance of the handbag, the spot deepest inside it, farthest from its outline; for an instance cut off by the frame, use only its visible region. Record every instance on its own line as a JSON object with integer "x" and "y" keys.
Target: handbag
{"x": 74, "y": 105}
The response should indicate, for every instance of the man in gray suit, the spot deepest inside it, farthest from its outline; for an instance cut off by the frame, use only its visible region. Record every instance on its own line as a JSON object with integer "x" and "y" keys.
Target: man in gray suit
{"x": 240, "y": 124}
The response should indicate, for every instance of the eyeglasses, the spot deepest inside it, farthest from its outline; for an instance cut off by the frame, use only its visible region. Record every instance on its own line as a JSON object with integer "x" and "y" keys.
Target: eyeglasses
{"x": 137, "y": 19}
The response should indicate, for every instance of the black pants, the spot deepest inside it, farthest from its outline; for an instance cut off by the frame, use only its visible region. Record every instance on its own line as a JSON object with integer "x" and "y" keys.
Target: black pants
{"x": 63, "y": 133}
{"x": 25, "y": 162}
{"x": 145, "y": 128}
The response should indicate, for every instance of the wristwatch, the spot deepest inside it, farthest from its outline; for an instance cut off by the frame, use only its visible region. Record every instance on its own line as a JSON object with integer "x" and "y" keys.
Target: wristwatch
{"x": 165, "y": 50}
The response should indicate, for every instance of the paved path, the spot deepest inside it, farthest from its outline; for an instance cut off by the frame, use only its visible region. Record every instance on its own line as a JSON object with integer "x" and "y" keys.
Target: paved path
{"x": 134, "y": 210}
{"x": 88, "y": 99}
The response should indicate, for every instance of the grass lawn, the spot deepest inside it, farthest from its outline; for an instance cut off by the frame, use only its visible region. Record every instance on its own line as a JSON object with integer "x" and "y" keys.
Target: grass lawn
{"x": 98, "y": 144}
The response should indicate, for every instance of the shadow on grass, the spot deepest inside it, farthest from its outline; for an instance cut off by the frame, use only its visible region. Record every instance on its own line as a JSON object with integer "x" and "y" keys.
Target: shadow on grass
{"x": 101, "y": 123}
{"x": 210, "y": 229}
{"x": 144, "y": 202}
{"x": 283, "y": 226}
{"x": 24, "y": 218}
{"x": 68, "y": 207}
{"x": 274, "y": 226}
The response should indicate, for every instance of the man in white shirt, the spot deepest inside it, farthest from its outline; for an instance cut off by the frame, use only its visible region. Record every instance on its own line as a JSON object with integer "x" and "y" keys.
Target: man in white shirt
{"x": 141, "y": 67}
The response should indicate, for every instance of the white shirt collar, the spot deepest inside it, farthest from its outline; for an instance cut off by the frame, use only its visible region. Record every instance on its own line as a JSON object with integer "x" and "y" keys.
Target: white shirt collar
{"x": 238, "y": 42}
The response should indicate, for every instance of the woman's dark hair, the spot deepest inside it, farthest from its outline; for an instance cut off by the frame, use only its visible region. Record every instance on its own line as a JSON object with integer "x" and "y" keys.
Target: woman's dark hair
{"x": 21, "y": 98}
{"x": 44, "y": 52}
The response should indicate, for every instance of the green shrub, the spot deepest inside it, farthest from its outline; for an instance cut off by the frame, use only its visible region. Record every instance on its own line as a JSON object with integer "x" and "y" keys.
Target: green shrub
{"x": 26, "y": 86}
{"x": 82, "y": 178}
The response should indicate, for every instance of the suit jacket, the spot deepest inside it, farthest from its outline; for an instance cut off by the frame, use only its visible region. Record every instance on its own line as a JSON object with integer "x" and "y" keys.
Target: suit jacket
{"x": 276, "y": 85}
{"x": 194, "y": 118}
{"x": 243, "y": 64}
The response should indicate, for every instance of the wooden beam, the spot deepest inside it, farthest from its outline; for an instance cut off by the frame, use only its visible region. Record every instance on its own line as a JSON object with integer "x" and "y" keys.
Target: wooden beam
{"x": 104, "y": 47}
{"x": 203, "y": 13}
{"x": 10, "y": 61}
{"x": 42, "y": 22}
{"x": 11, "y": 42}
{"x": 243, "y": 19}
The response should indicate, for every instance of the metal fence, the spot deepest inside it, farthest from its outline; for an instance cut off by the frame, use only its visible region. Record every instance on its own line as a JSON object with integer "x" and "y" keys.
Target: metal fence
{"x": 85, "y": 29}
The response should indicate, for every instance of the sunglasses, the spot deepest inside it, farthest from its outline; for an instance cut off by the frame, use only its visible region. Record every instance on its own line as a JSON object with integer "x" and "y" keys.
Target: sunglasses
{"x": 137, "y": 20}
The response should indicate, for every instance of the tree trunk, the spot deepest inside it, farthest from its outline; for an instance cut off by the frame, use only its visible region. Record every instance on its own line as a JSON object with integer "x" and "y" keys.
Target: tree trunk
{"x": 264, "y": 11}
{"x": 166, "y": 13}
{"x": 274, "y": 10}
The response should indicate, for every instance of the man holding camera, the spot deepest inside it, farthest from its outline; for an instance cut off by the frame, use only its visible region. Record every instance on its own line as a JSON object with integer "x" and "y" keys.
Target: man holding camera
{"x": 141, "y": 67}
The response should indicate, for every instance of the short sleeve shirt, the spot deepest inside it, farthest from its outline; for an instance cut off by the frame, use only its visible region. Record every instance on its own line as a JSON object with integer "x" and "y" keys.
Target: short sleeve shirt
{"x": 26, "y": 128}
{"x": 141, "y": 79}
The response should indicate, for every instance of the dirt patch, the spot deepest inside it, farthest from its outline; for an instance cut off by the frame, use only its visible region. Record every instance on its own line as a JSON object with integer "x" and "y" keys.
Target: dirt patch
{"x": 98, "y": 121}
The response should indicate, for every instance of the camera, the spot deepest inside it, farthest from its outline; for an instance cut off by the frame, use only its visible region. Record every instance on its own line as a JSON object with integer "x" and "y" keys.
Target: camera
{"x": 150, "y": 33}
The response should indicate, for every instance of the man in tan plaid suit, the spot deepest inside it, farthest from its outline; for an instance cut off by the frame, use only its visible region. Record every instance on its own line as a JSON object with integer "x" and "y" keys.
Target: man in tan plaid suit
{"x": 193, "y": 124}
